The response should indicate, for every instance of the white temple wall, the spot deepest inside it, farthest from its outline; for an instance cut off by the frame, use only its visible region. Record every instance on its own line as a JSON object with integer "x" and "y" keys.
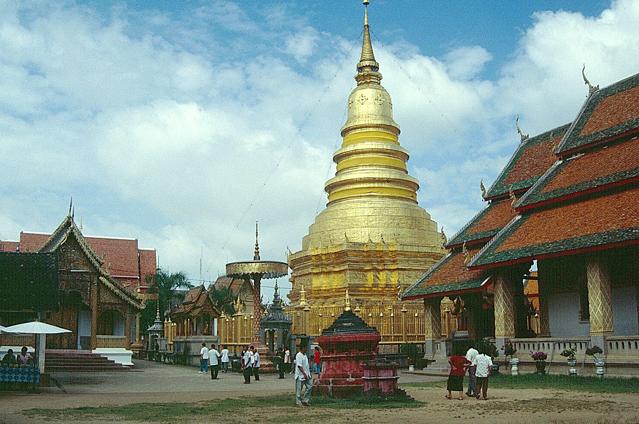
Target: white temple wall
{"x": 563, "y": 316}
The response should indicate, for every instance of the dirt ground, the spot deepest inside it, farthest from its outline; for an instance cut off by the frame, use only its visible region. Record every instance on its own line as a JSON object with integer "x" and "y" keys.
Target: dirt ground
{"x": 156, "y": 384}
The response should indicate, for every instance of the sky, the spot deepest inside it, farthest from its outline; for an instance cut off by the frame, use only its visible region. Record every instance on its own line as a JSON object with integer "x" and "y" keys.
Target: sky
{"x": 182, "y": 123}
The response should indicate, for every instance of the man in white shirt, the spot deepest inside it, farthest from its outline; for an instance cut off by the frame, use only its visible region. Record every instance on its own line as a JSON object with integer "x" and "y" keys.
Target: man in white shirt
{"x": 247, "y": 364}
{"x": 256, "y": 363}
{"x": 303, "y": 382}
{"x": 287, "y": 361}
{"x": 204, "y": 359}
{"x": 472, "y": 380}
{"x": 483, "y": 363}
{"x": 225, "y": 359}
{"x": 214, "y": 362}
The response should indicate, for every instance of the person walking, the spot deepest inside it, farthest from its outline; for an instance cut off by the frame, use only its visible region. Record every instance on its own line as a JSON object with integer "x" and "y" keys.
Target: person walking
{"x": 225, "y": 358}
{"x": 483, "y": 363}
{"x": 317, "y": 360}
{"x": 279, "y": 356}
{"x": 471, "y": 353}
{"x": 458, "y": 364}
{"x": 247, "y": 366}
{"x": 214, "y": 362}
{"x": 303, "y": 380}
{"x": 204, "y": 359}
{"x": 256, "y": 363}
{"x": 287, "y": 361}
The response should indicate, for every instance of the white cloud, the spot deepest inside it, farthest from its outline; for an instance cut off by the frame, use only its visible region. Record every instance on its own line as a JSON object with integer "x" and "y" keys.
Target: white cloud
{"x": 182, "y": 135}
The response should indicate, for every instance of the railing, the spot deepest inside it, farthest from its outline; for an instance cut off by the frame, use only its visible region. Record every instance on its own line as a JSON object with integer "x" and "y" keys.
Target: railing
{"x": 104, "y": 341}
{"x": 623, "y": 346}
{"x": 551, "y": 345}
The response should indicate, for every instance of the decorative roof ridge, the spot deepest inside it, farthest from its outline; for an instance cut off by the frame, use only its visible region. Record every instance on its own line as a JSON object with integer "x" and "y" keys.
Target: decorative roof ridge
{"x": 539, "y": 138}
{"x": 540, "y": 181}
{"x": 122, "y": 293}
{"x": 596, "y": 96}
{"x": 61, "y": 234}
{"x": 471, "y": 265}
{"x": 429, "y": 272}
{"x": 452, "y": 243}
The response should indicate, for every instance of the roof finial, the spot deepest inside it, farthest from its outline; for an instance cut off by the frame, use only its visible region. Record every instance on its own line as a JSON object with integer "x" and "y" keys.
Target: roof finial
{"x": 256, "y": 254}
{"x": 482, "y": 188}
{"x": 522, "y": 136}
{"x": 591, "y": 88}
{"x": 347, "y": 301}
{"x": 513, "y": 198}
{"x": 367, "y": 66}
{"x": 443, "y": 236}
{"x": 70, "y": 206}
{"x": 466, "y": 254}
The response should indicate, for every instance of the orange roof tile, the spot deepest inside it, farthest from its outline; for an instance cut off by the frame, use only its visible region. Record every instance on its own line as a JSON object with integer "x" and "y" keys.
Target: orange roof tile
{"x": 588, "y": 172}
{"x": 485, "y": 224}
{"x": 593, "y": 222}
{"x": 612, "y": 111}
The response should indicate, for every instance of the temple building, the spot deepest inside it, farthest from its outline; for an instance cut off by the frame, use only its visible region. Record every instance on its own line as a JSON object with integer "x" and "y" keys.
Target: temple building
{"x": 373, "y": 239}
{"x": 126, "y": 262}
{"x": 101, "y": 312}
{"x": 565, "y": 211}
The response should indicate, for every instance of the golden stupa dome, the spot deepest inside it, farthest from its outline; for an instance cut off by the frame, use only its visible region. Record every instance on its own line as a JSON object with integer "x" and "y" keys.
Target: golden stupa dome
{"x": 369, "y": 104}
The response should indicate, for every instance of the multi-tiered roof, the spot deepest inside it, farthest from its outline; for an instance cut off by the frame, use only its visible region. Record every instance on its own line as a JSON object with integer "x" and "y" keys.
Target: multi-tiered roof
{"x": 569, "y": 190}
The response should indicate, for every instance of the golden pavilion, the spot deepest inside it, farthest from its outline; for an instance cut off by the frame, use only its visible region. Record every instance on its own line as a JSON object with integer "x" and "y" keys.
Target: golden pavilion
{"x": 373, "y": 239}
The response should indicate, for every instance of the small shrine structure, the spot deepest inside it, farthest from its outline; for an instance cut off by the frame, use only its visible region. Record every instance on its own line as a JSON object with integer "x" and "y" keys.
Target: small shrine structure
{"x": 347, "y": 345}
{"x": 276, "y": 325}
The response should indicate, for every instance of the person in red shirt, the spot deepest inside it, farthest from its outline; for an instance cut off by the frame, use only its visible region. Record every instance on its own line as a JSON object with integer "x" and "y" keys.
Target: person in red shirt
{"x": 458, "y": 365}
{"x": 317, "y": 361}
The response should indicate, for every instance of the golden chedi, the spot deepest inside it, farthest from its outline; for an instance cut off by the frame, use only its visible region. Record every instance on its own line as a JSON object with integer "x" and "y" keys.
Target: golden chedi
{"x": 372, "y": 239}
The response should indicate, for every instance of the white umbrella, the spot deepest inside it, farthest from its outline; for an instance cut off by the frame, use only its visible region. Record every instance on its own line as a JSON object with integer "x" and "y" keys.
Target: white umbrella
{"x": 35, "y": 327}
{"x": 40, "y": 328}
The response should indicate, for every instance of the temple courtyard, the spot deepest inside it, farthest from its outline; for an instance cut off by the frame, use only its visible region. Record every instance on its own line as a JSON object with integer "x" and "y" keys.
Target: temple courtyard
{"x": 162, "y": 393}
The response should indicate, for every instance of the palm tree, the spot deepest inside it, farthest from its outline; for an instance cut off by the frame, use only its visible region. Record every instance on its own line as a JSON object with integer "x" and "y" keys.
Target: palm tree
{"x": 223, "y": 299}
{"x": 168, "y": 288}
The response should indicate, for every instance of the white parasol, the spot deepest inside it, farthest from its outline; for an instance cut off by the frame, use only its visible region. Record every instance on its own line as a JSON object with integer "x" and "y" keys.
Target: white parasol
{"x": 40, "y": 328}
{"x": 35, "y": 327}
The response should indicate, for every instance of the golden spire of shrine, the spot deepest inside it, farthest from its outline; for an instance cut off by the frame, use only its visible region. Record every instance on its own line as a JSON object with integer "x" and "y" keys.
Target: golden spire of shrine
{"x": 367, "y": 67}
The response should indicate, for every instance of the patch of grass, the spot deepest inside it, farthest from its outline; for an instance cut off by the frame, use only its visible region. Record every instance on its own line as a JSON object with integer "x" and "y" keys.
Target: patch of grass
{"x": 551, "y": 381}
{"x": 170, "y": 412}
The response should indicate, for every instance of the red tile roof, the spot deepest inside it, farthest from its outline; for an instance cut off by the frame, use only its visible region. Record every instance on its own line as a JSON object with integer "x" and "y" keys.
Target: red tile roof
{"x": 486, "y": 224}
{"x": 120, "y": 256}
{"x": 9, "y": 246}
{"x": 612, "y": 111}
{"x": 528, "y": 163}
{"x": 609, "y": 165}
{"x": 448, "y": 276}
{"x": 608, "y": 114}
{"x": 591, "y": 223}
{"x": 535, "y": 161}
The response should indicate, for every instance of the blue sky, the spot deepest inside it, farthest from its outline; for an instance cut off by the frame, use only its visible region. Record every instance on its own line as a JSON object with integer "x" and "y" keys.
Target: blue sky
{"x": 182, "y": 123}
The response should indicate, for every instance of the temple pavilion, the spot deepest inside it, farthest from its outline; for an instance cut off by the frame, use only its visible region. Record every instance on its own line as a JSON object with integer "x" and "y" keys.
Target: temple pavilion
{"x": 372, "y": 239}
{"x": 564, "y": 212}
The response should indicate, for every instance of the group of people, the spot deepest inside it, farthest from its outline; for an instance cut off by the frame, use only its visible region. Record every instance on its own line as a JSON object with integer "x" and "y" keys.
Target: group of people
{"x": 210, "y": 359}
{"x": 22, "y": 358}
{"x": 478, "y": 365}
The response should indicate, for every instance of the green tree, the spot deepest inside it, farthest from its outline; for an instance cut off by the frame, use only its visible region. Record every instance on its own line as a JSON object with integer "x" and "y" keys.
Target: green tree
{"x": 170, "y": 289}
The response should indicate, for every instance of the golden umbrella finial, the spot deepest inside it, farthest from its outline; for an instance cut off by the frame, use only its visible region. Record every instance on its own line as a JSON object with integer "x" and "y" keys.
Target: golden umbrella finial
{"x": 256, "y": 253}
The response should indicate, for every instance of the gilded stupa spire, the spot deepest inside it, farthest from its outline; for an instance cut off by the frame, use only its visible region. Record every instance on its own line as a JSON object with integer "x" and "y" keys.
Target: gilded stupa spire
{"x": 367, "y": 67}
